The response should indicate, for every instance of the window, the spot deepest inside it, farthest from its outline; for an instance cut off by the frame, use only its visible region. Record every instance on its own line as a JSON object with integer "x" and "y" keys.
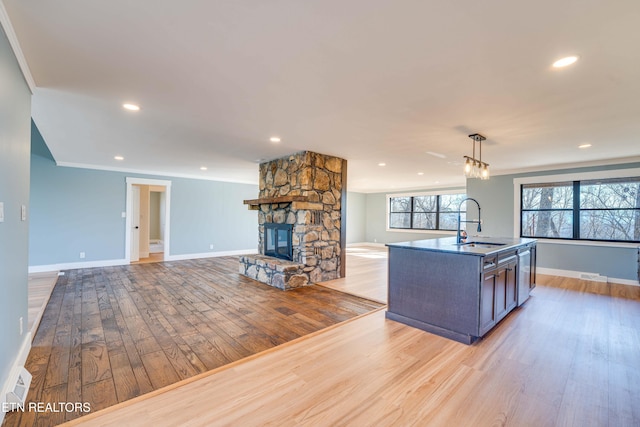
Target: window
{"x": 425, "y": 212}
{"x": 400, "y": 213}
{"x": 597, "y": 209}
{"x": 547, "y": 210}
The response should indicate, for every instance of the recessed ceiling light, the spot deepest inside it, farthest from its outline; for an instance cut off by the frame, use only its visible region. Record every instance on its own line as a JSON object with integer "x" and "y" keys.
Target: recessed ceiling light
{"x": 584, "y": 146}
{"x": 420, "y": 173}
{"x": 382, "y": 164}
{"x": 118, "y": 158}
{"x": 434, "y": 154}
{"x": 131, "y": 107}
{"x": 565, "y": 61}
{"x": 203, "y": 168}
{"x": 274, "y": 139}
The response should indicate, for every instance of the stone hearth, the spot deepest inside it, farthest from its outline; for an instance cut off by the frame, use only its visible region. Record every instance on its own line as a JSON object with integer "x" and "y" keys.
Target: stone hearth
{"x": 308, "y": 191}
{"x": 275, "y": 272}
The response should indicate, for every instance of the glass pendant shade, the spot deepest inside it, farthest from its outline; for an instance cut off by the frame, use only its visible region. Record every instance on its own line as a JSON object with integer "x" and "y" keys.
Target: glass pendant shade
{"x": 468, "y": 167}
{"x": 485, "y": 172}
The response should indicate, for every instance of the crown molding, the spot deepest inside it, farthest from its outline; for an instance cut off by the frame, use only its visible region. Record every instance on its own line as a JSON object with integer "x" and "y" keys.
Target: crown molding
{"x": 15, "y": 45}
{"x": 574, "y": 165}
{"x": 151, "y": 173}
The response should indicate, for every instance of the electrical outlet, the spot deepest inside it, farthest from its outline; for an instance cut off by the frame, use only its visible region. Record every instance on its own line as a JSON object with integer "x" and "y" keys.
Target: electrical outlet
{"x": 23, "y": 213}
{"x": 211, "y": 246}
{"x": 375, "y": 240}
{"x": 21, "y": 325}
{"x": 82, "y": 255}
{"x": 124, "y": 214}
{"x": 1, "y": 211}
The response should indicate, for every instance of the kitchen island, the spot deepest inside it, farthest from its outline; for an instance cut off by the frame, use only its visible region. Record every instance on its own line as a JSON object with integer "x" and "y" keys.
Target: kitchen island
{"x": 459, "y": 290}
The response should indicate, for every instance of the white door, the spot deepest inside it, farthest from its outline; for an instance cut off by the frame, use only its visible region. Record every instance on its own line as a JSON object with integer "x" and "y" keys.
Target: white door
{"x": 132, "y": 234}
{"x": 135, "y": 223}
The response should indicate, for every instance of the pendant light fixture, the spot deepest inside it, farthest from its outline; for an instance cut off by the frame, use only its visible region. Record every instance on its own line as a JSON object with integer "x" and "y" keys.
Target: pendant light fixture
{"x": 476, "y": 168}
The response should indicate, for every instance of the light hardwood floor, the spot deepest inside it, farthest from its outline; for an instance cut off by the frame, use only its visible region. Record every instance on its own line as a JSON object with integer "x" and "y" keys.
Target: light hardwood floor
{"x": 153, "y": 257}
{"x": 569, "y": 357}
{"x": 40, "y": 287}
{"x": 366, "y": 269}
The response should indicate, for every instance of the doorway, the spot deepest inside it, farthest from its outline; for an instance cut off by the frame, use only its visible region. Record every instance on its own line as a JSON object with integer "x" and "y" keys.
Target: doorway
{"x": 147, "y": 220}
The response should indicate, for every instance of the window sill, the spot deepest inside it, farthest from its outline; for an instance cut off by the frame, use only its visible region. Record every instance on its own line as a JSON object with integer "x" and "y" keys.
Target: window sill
{"x": 587, "y": 243}
{"x": 412, "y": 230}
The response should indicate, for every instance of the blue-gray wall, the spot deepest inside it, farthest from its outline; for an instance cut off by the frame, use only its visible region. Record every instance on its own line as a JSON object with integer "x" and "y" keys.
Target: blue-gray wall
{"x": 496, "y": 196}
{"x": 376, "y": 210}
{"x": 15, "y": 114}
{"x": 356, "y": 217}
{"x": 80, "y": 210}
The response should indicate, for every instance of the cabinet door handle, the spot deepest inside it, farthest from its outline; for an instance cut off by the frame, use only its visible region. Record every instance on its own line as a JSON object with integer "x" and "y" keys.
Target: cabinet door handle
{"x": 509, "y": 269}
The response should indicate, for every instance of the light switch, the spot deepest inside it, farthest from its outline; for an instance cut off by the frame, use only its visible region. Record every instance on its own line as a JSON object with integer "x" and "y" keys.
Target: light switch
{"x": 1, "y": 211}
{"x": 23, "y": 213}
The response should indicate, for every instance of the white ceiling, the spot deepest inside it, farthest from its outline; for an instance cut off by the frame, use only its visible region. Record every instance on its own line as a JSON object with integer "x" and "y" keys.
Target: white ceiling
{"x": 367, "y": 80}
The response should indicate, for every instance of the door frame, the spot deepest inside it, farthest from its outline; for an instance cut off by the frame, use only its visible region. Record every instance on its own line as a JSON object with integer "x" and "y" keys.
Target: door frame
{"x": 167, "y": 212}
{"x": 134, "y": 231}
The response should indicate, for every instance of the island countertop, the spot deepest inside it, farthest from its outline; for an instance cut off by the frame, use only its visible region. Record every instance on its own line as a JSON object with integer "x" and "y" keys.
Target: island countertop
{"x": 449, "y": 245}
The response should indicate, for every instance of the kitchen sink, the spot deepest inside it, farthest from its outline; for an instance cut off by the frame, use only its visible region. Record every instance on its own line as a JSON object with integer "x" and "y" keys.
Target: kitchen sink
{"x": 481, "y": 245}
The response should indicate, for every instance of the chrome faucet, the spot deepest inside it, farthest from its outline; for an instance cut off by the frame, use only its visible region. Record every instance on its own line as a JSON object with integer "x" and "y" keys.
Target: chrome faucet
{"x": 478, "y": 221}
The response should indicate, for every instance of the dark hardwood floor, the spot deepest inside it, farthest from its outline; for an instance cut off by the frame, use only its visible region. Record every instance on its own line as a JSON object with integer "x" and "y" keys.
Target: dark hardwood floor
{"x": 111, "y": 334}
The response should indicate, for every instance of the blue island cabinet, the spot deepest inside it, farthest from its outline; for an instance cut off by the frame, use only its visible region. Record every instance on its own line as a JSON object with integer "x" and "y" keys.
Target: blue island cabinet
{"x": 458, "y": 291}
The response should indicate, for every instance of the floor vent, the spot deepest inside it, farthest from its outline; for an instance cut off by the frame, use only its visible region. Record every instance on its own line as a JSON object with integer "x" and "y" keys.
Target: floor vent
{"x": 18, "y": 394}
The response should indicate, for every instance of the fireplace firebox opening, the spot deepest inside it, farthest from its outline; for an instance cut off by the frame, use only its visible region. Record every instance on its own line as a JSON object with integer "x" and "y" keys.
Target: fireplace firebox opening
{"x": 277, "y": 238}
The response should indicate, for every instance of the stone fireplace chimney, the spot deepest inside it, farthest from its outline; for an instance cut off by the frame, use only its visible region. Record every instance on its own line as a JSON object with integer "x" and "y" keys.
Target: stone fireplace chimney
{"x": 306, "y": 190}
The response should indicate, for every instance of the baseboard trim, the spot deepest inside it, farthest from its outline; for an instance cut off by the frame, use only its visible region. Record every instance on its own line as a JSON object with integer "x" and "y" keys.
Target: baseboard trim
{"x": 372, "y": 244}
{"x": 115, "y": 262}
{"x": 576, "y": 275}
{"x": 211, "y": 254}
{"x": 76, "y": 265}
{"x": 19, "y": 362}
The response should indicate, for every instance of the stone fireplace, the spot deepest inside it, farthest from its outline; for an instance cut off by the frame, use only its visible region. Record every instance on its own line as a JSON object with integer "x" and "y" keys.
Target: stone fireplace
{"x": 302, "y": 201}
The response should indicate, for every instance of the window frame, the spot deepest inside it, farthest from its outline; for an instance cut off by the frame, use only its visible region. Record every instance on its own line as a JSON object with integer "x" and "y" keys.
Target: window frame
{"x": 571, "y": 210}
{"x": 614, "y": 174}
{"x": 412, "y": 211}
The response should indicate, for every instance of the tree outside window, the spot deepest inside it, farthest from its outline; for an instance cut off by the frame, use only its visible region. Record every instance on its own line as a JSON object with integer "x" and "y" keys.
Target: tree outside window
{"x": 606, "y": 210}
{"x": 425, "y": 212}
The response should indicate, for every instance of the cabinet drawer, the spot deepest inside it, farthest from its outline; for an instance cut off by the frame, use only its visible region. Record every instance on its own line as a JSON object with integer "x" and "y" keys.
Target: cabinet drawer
{"x": 489, "y": 262}
{"x": 506, "y": 257}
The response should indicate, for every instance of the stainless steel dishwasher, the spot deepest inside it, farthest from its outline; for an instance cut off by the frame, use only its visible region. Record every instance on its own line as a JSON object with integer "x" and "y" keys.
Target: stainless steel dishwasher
{"x": 524, "y": 275}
